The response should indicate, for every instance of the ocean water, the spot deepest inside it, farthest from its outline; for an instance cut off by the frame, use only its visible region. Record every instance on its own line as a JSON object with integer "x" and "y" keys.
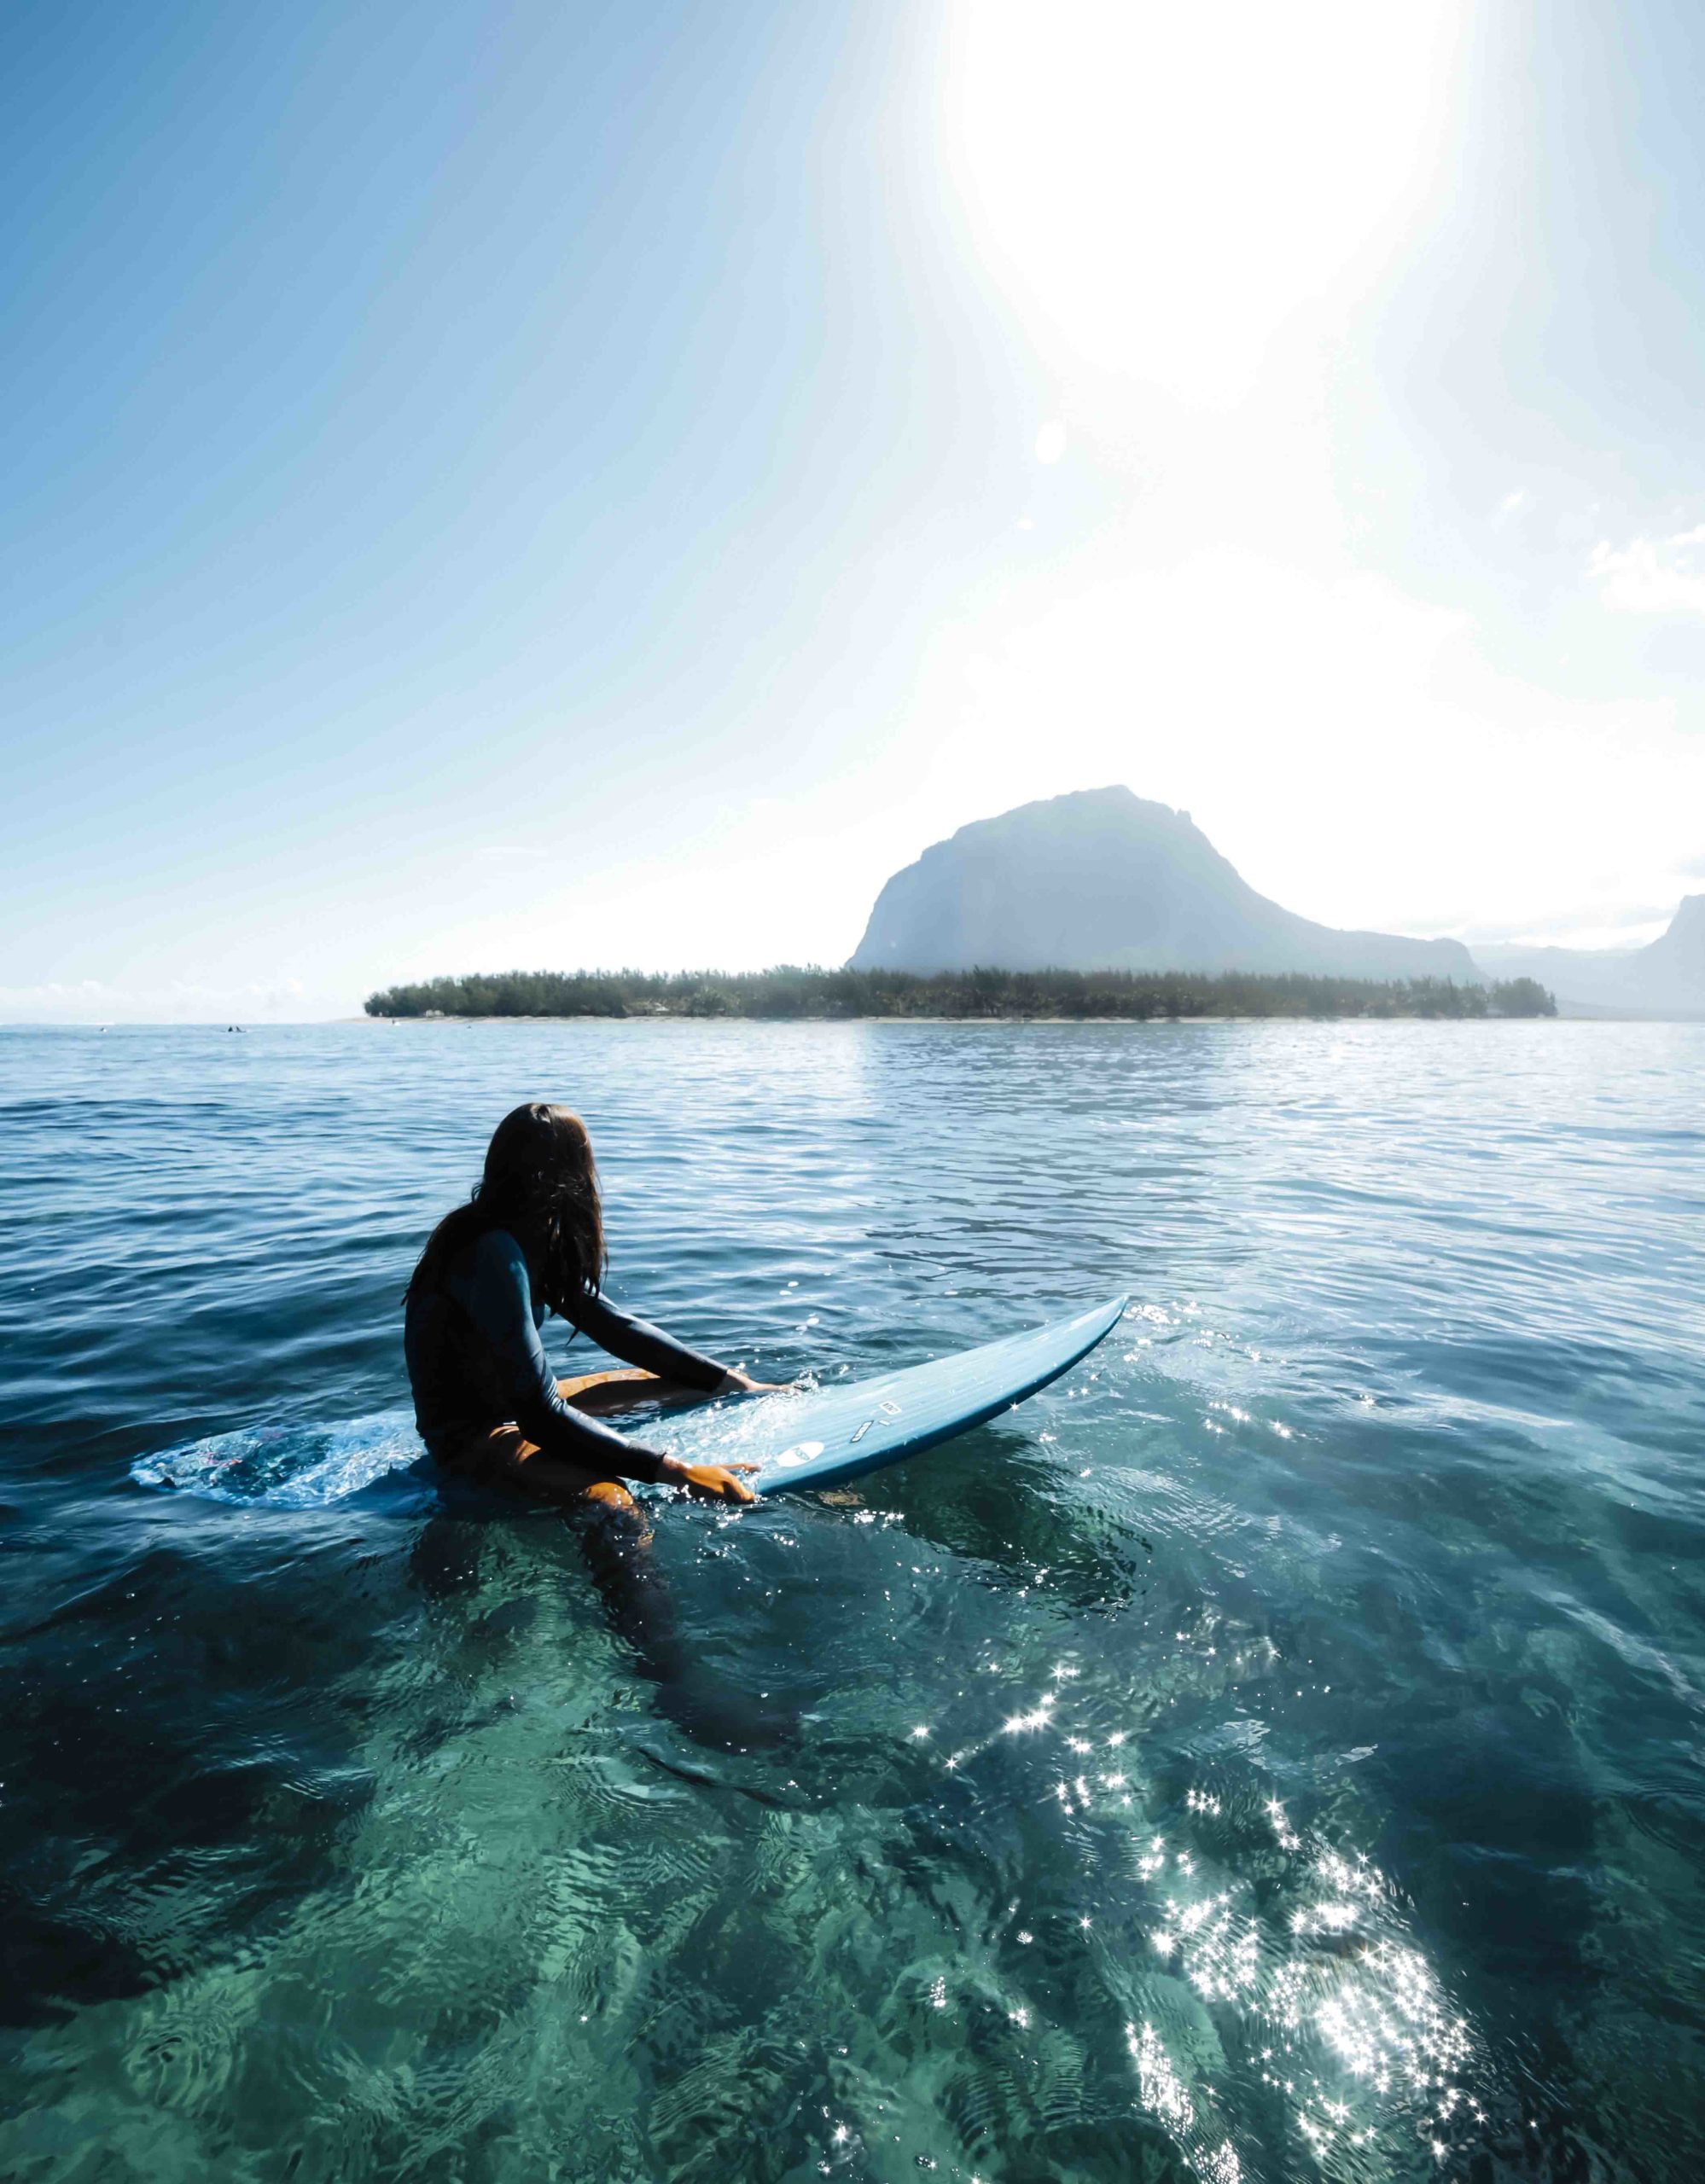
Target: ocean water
{"x": 1278, "y": 1751}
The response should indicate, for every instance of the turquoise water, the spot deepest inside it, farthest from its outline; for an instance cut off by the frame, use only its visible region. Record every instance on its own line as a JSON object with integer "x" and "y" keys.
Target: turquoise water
{"x": 1274, "y": 1752}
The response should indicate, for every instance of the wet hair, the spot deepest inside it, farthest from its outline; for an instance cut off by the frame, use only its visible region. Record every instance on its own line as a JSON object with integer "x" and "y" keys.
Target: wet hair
{"x": 541, "y": 1183}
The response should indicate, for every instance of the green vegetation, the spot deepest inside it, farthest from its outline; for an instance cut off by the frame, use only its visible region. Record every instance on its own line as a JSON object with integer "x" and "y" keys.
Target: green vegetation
{"x": 787, "y": 992}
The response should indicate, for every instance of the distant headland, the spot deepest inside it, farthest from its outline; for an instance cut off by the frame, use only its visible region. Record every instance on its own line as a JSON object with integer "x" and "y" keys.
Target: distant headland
{"x": 1102, "y": 879}
{"x": 1094, "y": 904}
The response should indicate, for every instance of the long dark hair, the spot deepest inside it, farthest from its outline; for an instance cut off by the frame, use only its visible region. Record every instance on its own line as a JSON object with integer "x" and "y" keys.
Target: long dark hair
{"x": 540, "y": 1183}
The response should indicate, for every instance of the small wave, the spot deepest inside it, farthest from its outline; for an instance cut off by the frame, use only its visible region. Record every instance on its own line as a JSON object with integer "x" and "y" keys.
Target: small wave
{"x": 287, "y": 1466}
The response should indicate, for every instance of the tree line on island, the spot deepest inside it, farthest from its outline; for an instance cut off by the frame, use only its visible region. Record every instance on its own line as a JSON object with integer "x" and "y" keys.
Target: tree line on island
{"x": 790, "y": 992}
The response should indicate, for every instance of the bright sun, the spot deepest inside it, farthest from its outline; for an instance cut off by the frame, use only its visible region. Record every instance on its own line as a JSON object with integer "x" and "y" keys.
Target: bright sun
{"x": 1161, "y": 187}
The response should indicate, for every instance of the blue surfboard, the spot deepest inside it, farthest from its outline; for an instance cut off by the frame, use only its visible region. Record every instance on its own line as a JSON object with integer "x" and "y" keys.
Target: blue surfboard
{"x": 801, "y": 1441}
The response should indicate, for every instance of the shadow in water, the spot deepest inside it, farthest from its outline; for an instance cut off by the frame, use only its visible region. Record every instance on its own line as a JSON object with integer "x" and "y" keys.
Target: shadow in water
{"x": 989, "y": 1500}
{"x": 641, "y": 1609}
{"x": 175, "y": 1775}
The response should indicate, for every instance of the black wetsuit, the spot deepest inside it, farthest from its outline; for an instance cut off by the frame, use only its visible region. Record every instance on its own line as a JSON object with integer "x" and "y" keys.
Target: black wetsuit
{"x": 475, "y": 1361}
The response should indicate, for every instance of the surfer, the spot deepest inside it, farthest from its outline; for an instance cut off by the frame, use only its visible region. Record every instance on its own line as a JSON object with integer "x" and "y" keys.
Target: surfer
{"x": 530, "y": 1240}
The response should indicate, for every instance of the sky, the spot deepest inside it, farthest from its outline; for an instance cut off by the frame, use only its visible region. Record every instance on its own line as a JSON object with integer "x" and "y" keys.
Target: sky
{"x": 595, "y": 485}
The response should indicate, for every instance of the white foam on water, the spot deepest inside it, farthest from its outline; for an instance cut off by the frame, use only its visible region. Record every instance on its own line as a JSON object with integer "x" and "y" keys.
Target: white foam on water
{"x": 286, "y": 1467}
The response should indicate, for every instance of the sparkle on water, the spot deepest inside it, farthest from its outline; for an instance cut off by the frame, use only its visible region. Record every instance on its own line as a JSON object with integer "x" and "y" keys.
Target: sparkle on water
{"x": 1274, "y": 1752}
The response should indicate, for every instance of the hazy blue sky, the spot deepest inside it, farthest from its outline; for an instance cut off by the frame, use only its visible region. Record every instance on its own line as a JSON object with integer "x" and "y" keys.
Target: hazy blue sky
{"x": 560, "y": 485}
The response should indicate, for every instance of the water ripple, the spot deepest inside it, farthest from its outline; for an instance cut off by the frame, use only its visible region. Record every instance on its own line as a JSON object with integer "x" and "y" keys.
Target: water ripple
{"x": 1274, "y": 1752}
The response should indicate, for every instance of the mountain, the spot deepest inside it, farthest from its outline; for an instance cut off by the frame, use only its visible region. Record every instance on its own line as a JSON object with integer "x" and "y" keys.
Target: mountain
{"x": 1665, "y": 979}
{"x": 1102, "y": 879}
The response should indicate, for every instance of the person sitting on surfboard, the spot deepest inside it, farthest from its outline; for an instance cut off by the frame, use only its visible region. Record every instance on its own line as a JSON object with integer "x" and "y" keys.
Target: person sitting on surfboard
{"x": 530, "y": 1240}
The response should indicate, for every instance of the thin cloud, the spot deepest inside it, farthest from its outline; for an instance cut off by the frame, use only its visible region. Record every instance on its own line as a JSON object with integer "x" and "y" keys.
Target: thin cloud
{"x": 1652, "y": 576}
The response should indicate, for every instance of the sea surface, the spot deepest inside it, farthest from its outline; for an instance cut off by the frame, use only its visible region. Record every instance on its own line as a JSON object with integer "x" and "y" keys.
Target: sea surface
{"x": 1275, "y": 1752}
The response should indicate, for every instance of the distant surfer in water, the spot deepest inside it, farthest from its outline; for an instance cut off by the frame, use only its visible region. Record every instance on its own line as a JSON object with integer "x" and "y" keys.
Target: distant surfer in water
{"x": 530, "y": 1240}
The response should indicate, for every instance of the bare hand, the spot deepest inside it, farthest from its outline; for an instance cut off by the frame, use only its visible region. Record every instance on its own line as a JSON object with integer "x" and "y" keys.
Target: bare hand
{"x": 735, "y": 1382}
{"x": 709, "y": 1481}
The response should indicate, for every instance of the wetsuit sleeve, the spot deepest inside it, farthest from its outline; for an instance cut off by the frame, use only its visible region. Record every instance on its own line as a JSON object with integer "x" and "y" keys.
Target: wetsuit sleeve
{"x": 499, "y": 1302}
{"x": 638, "y": 1342}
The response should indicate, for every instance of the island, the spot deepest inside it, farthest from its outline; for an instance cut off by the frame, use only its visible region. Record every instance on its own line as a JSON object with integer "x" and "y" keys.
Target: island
{"x": 790, "y": 992}
{"x": 1093, "y": 905}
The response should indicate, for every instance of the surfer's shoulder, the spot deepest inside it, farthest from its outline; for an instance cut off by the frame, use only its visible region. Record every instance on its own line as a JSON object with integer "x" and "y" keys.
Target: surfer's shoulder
{"x": 497, "y": 1260}
{"x": 496, "y": 1249}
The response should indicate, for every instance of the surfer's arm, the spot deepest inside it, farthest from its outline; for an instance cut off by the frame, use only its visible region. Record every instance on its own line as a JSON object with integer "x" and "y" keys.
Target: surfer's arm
{"x": 637, "y": 1342}
{"x": 499, "y": 1302}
